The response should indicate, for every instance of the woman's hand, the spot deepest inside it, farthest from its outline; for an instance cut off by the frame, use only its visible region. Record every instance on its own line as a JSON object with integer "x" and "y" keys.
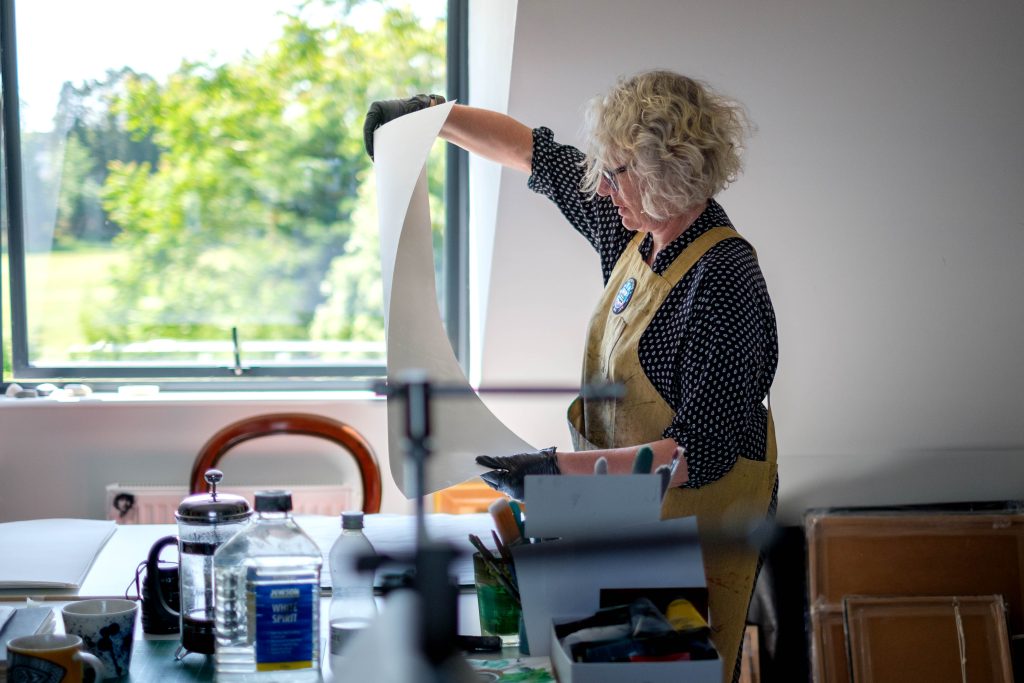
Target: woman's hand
{"x": 388, "y": 110}
{"x": 507, "y": 471}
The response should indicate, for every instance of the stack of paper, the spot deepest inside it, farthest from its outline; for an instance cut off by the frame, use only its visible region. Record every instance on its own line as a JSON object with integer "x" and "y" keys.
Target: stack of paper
{"x": 22, "y": 621}
{"x": 50, "y": 553}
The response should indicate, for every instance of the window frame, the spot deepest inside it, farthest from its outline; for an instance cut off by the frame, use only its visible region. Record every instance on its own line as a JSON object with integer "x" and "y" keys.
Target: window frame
{"x": 455, "y": 270}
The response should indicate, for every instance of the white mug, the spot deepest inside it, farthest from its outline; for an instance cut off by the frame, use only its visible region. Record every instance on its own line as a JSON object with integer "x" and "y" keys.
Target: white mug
{"x": 107, "y": 630}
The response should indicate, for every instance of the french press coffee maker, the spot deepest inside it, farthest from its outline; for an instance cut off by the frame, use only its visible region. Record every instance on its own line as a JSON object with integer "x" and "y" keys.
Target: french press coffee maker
{"x": 205, "y": 522}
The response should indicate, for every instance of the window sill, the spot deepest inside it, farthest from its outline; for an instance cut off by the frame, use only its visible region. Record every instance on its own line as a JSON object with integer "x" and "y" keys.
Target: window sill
{"x": 219, "y": 398}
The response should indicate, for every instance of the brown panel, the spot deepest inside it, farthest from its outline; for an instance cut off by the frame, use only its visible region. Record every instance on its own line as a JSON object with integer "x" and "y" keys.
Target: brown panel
{"x": 829, "y": 646}
{"x": 934, "y": 639}
{"x": 750, "y": 659}
{"x": 907, "y": 554}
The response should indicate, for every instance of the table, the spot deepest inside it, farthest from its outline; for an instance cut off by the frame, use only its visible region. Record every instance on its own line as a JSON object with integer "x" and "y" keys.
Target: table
{"x": 113, "y": 572}
{"x": 153, "y": 656}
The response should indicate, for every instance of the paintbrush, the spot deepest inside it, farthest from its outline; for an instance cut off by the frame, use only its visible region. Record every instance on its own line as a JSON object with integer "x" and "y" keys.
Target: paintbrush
{"x": 665, "y": 472}
{"x": 643, "y": 460}
{"x": 485, "y": 552}
{"x": 519, "y": 514}
{"x": 502, "y": 548}
{"x": 505, "y": 521}
{"x": 494, "y": 568}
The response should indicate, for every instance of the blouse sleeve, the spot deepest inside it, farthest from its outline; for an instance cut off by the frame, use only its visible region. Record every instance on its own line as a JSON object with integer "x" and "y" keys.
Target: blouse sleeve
{"x": 557, "y": 173}
{"x": 722, "y": 365}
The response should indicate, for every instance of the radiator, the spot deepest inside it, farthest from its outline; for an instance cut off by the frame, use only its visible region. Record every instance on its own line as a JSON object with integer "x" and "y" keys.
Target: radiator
{"x": 146, "y": 504}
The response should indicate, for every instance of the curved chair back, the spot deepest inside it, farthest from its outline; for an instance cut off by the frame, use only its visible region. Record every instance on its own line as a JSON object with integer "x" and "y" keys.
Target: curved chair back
{"x": 306, "y": 424}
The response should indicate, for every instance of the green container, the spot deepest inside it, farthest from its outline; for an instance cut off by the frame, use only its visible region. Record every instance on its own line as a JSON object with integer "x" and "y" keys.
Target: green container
{"x": 499, "y": 611}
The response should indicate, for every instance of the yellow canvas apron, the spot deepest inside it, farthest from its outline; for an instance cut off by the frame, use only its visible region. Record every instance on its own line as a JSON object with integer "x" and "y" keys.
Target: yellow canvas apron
{"x": 642, "y": 417}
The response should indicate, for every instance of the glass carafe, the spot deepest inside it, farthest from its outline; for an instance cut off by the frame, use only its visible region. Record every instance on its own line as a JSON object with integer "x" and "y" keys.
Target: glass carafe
{"x": 205, "y": 522}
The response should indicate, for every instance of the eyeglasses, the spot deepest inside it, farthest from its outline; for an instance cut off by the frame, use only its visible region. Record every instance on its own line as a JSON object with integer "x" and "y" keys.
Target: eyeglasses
{"x": 609, "y": 177}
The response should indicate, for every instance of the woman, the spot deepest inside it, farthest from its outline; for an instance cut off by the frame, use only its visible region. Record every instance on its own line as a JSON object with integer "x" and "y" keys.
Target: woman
{"x": 685, "y": 322}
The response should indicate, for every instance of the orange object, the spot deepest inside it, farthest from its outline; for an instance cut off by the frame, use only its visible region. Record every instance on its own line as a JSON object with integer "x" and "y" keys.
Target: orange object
{"x": 504, "y": 521}
{"x": 465, "y": 498}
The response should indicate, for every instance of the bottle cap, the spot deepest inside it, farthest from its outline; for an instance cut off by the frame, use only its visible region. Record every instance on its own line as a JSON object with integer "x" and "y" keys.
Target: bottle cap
{"x": 352, "y": 520}
{"x": 273, "y": 501}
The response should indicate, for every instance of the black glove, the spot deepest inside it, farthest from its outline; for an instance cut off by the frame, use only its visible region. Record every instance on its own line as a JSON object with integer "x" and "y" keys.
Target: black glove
{"x": 507, "y": 471}
{"x": 387, "y": 110}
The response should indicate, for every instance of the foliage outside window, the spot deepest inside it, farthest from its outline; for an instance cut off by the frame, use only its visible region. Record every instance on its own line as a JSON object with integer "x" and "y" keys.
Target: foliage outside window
{"x": 165, "y": 210}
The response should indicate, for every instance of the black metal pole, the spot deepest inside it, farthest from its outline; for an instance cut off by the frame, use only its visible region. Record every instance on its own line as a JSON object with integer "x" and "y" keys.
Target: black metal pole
{"x": 456, "y": 240}
{"x": 438, "y": 595}
{"x": 15, "y": 200}
{"x": 415, "y": 389}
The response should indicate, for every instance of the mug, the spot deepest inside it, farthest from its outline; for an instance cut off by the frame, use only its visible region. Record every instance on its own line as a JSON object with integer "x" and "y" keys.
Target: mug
{"x": 49, "y": 658}
{"x": 107, "y": 630}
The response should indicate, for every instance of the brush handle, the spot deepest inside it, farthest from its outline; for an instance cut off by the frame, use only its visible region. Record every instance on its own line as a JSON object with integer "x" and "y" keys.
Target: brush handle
{"x": 502, "y": 548}
{"x": 643, "y": 460}
{"x": 500, "y": 572}
{"x": 484, "y": 551}
{"x": 665, "y": 471}
{"x": 504, "y": 521}
{"x": 519, "y": 515}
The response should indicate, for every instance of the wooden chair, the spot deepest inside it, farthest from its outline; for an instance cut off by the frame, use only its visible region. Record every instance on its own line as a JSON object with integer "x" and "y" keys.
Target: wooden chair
{"x": 306, "y": 424}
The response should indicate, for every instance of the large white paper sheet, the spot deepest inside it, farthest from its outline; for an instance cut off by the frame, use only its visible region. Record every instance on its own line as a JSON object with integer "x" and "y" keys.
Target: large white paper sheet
{"x": 461, "y": 427}
{"x": 50, "y": 553}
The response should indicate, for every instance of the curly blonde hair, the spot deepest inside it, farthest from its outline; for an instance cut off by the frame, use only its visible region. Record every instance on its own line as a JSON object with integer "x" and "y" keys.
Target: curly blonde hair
{"x": 681, "y": 141}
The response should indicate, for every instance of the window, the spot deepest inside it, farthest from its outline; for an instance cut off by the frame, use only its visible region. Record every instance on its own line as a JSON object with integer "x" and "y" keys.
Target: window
{"x": 187, "y": 199}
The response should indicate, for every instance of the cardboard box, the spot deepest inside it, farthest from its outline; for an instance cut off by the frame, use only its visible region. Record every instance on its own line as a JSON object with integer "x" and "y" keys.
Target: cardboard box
{"x": 573, "y": 507}
{"x": 568, "y": 671}
{"x": 565, "y": 577}
{"x": 610, "y": 536}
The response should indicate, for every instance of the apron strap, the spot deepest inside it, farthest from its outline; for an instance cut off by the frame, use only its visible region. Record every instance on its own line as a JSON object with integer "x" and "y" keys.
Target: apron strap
{"x": 692, "y": 253}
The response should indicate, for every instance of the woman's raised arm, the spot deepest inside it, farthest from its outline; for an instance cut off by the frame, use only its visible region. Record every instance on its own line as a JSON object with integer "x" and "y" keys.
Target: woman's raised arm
{"x": 492, "y": 135}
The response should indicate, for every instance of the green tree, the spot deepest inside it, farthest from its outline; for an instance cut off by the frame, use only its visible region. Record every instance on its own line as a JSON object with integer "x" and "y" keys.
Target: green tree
{"x": 92, "y": 134}
{"x": 259, "y": 174}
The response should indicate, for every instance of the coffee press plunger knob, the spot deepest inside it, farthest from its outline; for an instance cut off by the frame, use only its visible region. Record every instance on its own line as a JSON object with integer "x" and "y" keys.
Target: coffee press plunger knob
{"x": 213, "y": 478}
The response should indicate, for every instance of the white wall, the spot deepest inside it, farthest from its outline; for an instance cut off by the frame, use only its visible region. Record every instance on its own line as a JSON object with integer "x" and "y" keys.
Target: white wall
{"x": 490, "y": 65}
{"x": 56, "y": 459}
{"x": 881, "y": 193}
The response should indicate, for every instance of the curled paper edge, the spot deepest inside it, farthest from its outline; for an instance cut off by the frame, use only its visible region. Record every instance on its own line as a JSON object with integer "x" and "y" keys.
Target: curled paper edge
{"x": 461, "y": 427}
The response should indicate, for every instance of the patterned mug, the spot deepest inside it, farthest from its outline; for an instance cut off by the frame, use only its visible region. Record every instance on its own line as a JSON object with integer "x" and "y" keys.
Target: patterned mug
{"x": 49, "y": 658}
{"x": 107, "y": 629}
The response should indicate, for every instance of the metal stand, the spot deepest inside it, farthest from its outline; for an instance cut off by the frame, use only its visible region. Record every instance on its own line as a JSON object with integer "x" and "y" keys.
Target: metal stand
{"x": 415, "y": 391}
{"x": 438, "y": 614}
{"x": 438, "y": 595}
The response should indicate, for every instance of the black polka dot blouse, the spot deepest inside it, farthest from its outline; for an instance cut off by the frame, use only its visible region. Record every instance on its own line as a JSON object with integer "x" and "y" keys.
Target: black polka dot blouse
{"x": 712, "y": 348}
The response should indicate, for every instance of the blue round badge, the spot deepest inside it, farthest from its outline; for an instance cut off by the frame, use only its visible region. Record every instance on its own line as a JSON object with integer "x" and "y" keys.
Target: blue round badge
{"x": 624, "y": 295}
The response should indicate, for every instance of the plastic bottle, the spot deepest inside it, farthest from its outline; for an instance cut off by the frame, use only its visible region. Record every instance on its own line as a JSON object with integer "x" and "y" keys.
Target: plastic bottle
{"x": 352, "y": 603}
{"x": 267, "y": 608}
